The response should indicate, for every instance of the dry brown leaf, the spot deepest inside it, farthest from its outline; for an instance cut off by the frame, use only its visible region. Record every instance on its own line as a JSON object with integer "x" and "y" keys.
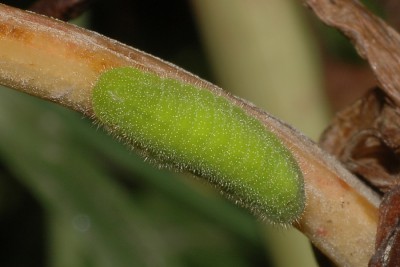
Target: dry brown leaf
{"x": 388, "y": 236}
{"x": 372, "y": 37}
{"x": 365, "y": 137}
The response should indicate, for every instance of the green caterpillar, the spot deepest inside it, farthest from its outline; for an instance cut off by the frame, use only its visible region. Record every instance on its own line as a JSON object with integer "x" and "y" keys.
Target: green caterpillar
{"x": 189, "y": 128}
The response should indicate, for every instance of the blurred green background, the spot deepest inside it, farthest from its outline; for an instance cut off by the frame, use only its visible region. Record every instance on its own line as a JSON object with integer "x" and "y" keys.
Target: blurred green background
{"x": 70, "y": 195}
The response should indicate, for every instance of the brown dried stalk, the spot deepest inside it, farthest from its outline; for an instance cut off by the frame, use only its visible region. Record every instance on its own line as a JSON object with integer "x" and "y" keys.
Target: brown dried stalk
{"x": 61, "y": 62}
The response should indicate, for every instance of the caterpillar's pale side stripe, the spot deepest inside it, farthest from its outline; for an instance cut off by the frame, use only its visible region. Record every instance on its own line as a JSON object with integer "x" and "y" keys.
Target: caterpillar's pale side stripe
{"x": 189, "y": 128}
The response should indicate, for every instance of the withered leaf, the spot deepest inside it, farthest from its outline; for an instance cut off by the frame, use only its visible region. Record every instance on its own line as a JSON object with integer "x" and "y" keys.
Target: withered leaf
{"x": 372, "y": 37}
{"x": 387, "y": 252}
{"x": 365, "y": 137}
